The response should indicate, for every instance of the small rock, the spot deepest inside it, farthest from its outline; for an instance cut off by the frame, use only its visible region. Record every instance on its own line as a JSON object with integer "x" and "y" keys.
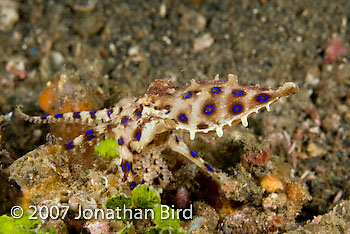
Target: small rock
{"x": 16, "y": 66}
{"x": 182, "y": 197}
{"x": 98, "y": 227}
{"x": 313, "y": 76}
{"x": 315, "y": 150}
{"x": 84, "y": 5}
{"x": 8, "y": 16}
{"x": 335, "y": 49}
{"x": 206, "y": 219}
{"x": 203, "y": 42}
{"x": 134, "y": 51}
{"x": 83, "y": 200}
{"x": 57, "y": 59}
{"x": 331, "y": 122}
{"x": 162, "y": 10}
{"x": 193, "y": 21}
{"x": 90, "y": 24}
{"x": 274, "y": 201}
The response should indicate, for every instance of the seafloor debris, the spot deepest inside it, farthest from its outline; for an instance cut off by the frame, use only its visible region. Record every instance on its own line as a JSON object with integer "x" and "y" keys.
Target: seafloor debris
{"x": 335, "y": 221}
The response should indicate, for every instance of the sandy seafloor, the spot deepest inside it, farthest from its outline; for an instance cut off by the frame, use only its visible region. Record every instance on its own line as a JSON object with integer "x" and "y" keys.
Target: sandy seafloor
{"x": 129, "y": 44}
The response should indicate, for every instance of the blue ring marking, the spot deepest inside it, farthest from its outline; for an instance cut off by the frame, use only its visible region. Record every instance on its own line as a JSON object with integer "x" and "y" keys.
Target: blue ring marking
{"x": 127, "y": 164}
{"x": 138, "y": 113}
{"x": 125, "y": 121}
{"x": 43, "y": 117}
{"x": 59, "y": 115}
{"x": 133, "y": 185}
{"x": 237, "y": 108}
{"x": 138, "y": 136}
{"x": 92, "y": 114}
{"x": 88, "y": 133}
{"x": 208, "y": 167}
{"x": 171, "y": 131}
{"x": 208, "y": 109}
{"x": 176, "y": 88}
{"x": 262, "y": 97}
{"x": 120, "y": 141}
{"x": 76, "y": 114}
{"x": 183, "y": 118}
{"x": 122, "y": 167}
{"x": 215, "y": 90}
{"x": 187, "y": 95}
{"x": 109, "y": 113}
{"x": 193, "y": 153}
{"x": 146, "y": 170}
{"x": 142, "y": 181}
{"x": 69, "y": 144}
{"x": 177, "y": 139}
{"x": 238, "y": 92}
{"x": 155, "y": 108}
{"x": 167, "y": 107}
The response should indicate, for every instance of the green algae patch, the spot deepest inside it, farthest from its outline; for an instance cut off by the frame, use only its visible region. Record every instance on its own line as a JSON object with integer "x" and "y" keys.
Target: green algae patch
{"x": 166, "y": 223}
{"x": 22, "y": 225}
{"x": 120, "y": 201}
{"x": 107, "y": 149}
{"x": 145, "y": 198}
